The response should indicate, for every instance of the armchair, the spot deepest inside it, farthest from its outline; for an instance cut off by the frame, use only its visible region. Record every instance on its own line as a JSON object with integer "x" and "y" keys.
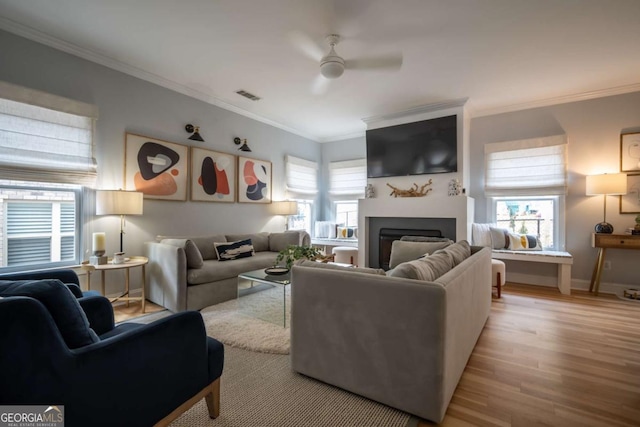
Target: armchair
{"x": 130, "y": 374}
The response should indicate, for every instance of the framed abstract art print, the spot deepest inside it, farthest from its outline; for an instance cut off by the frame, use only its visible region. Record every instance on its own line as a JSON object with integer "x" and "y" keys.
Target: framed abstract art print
{"x": 254, "y": 180}
{"x": 213, "y": 176}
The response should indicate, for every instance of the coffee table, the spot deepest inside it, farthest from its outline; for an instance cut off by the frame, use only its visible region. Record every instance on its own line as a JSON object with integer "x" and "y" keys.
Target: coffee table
{"x": 246, "y": 285}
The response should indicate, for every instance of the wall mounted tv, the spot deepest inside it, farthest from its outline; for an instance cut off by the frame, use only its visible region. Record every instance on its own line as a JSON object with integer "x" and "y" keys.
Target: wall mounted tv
{"x": 417, "y": 148}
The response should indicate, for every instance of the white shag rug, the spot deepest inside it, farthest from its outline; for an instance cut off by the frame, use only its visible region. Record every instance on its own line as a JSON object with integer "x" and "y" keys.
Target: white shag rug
{"x": 253, "y": 322}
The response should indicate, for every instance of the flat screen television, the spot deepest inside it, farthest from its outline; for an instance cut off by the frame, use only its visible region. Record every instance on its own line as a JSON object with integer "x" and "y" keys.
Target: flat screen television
{"x": 418, "y": 148}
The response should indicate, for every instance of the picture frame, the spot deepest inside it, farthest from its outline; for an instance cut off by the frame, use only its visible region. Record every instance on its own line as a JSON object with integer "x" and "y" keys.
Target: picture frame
{"x": 254, "y": 180}
{"x": 213, "y": 176}
{"x": 159, "y": 169}
{"x": 630, "y": 152}
{"x": 630, "y": 202}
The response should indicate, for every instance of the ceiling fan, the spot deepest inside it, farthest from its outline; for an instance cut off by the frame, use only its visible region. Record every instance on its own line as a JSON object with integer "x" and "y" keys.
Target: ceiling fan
{"x": 333, "y": 65}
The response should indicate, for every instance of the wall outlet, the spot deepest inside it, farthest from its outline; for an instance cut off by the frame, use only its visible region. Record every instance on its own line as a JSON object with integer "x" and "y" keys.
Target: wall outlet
{"x": 606, "y": 265}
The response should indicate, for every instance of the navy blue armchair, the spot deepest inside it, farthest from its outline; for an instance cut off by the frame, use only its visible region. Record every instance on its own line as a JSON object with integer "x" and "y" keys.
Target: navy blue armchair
{"x": 60, "y": 346}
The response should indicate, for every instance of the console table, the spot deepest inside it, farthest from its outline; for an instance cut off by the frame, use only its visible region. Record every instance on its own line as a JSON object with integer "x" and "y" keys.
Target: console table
{"x": 604, "y": 242}
{"x": 135, "y": 261}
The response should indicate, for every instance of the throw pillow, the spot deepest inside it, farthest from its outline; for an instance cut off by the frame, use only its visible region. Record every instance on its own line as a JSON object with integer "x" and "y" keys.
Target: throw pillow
{"x": 347, "y": 233}
{"x": 428, "y": 268}
{"x": 459, "y": 251}
{"x": 403, "y": 251}
{"x": 499, "y": 237}
{"x": 524, "y": 242}
{"x": 62, "y": 305}
{"x": 194, "y": 258}
{"x": 260, "y": 241}
{"x": 234, "y": 250}
{"x": 481, "y": 234}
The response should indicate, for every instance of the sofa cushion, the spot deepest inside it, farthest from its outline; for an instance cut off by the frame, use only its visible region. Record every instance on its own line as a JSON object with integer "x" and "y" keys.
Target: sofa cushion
{"x": 315, "y": 264}
{"x": 213, "y": 270}
{"x": 428, "y": 268}
{"x": 279, "y": 241}
{"x": 194, "y": 258}
{"x": 524, "y": 242}
{"x": 62, "y": 305}
{"x": 459, "y": 251}
{"x": 403, "y": 251}
{"x": 425, "y": 239}
{"x": 234, "y": 250}
{"x": 203, "y": 243}
{"x": 260, "y": 241}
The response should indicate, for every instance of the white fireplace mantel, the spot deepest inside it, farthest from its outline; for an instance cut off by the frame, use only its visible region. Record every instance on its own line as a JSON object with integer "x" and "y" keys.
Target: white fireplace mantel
{"x": 461, "y": 208}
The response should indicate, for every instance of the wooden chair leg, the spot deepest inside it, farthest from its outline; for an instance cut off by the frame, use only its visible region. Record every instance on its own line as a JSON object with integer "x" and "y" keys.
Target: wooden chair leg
{"x": 499, "y": 283}
{"x": 213, "y": 399}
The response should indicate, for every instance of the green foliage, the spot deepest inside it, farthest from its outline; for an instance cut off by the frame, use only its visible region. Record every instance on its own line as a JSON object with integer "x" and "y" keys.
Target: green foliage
{"x": 294, "y": 252}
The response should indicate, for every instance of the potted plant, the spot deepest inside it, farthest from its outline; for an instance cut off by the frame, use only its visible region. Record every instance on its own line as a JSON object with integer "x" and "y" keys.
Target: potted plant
{"x": 294, "y": 252}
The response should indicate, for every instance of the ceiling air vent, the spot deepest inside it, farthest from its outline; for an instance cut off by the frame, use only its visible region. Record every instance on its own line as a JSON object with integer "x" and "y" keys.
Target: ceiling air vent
{"x": 248, "y": 95}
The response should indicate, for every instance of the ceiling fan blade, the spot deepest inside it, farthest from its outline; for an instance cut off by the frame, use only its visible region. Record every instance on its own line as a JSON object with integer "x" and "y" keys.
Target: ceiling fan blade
{"x": 305, "y": 44}
{"x": 320, "y": 85}
{"x": 389, "y": 62}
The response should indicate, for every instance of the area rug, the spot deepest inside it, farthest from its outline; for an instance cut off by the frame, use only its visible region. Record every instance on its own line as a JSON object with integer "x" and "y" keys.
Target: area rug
{"x": 259, "y": 389}
{"x": 253, "y": 322}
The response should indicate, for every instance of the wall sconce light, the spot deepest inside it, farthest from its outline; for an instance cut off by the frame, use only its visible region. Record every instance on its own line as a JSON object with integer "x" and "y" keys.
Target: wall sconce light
{"x": 244, "y": 146}
{"x": 195, "y": 130}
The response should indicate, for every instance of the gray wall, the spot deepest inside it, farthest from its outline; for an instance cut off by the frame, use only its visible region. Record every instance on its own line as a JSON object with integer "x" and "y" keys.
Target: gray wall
{"x": 128, "y": 104}
{"x": 593, "y": 130}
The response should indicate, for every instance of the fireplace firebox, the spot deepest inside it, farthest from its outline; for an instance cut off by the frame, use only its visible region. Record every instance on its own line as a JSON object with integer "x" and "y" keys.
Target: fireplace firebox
{"x": 388, "y": 235}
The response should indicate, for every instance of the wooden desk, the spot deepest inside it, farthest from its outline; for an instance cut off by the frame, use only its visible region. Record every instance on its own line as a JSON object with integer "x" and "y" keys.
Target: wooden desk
{"x": 609, "y": 241}
{"x": 135, "y": 261}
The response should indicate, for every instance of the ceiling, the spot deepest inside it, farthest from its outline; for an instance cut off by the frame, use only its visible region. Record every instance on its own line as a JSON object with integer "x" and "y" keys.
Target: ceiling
{"x": 503, "y": 55}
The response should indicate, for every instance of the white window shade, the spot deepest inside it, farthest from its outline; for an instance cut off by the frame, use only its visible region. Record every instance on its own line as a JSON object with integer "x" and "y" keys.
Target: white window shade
{"x": 302, "y": 177}
{"x": 44, "y": 144}
{"x": 348, "y": 178}
{"x": 531, "y": 167}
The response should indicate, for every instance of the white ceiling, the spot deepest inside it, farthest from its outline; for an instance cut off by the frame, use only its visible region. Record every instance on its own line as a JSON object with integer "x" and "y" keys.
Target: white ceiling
{"x": 501, "y": 54}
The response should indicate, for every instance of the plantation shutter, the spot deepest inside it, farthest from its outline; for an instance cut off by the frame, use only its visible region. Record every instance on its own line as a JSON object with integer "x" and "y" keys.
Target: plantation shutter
{"x": 45, "y": 138}
{"x": 301, "y": 176}
{"x": 530, "y": 167}
{"x": 348, "y": 178}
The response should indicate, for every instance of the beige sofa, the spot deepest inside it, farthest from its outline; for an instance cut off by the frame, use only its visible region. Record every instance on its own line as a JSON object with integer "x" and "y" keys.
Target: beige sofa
{"x": 402, "y": 342}
{"x": 184, "y": 272}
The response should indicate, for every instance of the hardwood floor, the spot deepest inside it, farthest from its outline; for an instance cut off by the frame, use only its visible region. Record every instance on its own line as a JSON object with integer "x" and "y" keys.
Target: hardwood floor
{"x": 549, "y": 359}
{"x": 122, "y": 313}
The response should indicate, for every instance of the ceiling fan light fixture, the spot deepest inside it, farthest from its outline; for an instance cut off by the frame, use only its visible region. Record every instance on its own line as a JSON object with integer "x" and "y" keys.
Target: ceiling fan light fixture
{"x": 332, "y": 66}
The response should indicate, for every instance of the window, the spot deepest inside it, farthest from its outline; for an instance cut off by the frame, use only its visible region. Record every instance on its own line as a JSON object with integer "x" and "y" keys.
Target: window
{"x": 302, "y": 220}
{"x": 526, "y": 181}
{"x": 46, "y": 157}
{"x": 40, "y": 224}
{"x": 535, "y": 216}
{"x": 302, "y": 177}
{"x": 347, "y": 213}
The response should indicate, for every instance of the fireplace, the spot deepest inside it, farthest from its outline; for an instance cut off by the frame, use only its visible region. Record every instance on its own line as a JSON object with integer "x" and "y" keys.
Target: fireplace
{"x": 452, "y": 216}
{"x": 389, "y": 235}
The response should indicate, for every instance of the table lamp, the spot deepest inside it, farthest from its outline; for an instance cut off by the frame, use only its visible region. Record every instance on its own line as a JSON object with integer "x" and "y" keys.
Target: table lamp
{"x": 608, "y": 184}
{"x": 119, "y": 202}
{"x": 285, "y": 208}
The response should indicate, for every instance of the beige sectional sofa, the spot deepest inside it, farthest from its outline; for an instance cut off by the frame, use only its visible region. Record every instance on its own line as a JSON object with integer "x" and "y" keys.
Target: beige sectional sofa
{"x": 184, "y": 272}
{"x": 403, "y": 342}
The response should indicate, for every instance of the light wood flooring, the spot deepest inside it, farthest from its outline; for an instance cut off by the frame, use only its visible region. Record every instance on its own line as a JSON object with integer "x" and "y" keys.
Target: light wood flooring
{"x": 545, "y": 359}
{"x": 122, "y": 313}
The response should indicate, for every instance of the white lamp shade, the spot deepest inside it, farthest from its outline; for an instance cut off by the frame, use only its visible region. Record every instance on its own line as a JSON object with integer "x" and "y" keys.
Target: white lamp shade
{"x": 285, "y": 207}
{"x": 119, "y": 202}
{"x": 612, "y": 184}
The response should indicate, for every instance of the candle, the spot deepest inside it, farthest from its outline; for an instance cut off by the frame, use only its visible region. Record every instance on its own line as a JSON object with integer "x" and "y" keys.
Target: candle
{"x": 99, "y": 242}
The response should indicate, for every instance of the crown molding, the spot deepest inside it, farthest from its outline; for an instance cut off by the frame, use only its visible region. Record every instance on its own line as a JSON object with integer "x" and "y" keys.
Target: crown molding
{"x": 359, "y": 134}
{"x": 428, "y": 108}
{"x": 601, "y": 93}
{"x": 45, "y": 39}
